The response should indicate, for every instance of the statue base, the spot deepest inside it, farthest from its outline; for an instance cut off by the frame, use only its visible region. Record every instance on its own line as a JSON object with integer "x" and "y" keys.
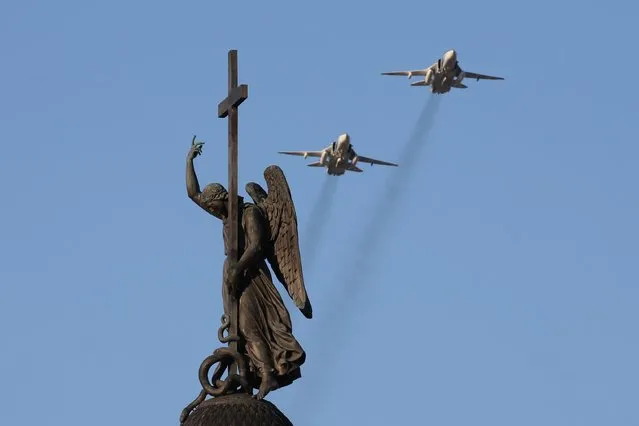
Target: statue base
{"x": 236, "y": 410}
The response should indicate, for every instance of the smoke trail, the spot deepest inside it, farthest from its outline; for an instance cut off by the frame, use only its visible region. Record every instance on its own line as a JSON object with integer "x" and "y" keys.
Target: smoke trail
{"x": 352, "y": 281}
{"x": 317, "y": 221}
{"x": 386, "y": 209}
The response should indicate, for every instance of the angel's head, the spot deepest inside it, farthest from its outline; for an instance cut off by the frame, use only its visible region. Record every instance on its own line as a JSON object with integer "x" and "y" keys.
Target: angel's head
{"x": 214, "y": 197}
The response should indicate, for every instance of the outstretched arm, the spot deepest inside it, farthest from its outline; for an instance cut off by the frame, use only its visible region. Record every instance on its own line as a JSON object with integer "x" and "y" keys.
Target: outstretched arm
{"x": 192, "y": 184}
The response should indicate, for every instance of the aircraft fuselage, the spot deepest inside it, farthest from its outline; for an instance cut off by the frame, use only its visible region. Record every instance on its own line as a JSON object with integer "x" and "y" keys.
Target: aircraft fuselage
{"x": 338, "y": 156}
{"x": 443, "y": 78}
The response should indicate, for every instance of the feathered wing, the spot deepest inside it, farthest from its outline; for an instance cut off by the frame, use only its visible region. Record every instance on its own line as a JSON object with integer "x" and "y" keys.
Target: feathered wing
{"x": 283, "y": 252}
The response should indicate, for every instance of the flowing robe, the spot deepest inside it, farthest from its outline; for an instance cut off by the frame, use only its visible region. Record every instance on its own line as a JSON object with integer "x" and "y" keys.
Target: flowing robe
{"x": 264, "y": 321}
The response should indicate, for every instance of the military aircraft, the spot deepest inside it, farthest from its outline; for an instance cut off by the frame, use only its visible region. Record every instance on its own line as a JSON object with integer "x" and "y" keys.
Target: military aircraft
{"x": 338, "y": 157}
{"x": 443, "y": 74}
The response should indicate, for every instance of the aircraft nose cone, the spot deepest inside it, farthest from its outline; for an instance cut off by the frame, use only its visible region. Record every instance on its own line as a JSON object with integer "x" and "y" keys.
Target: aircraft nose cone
{"x": 450, "y": 59}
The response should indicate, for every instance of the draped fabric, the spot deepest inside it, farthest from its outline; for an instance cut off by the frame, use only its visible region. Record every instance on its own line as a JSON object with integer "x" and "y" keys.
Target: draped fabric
{"x": 264, "y": 321}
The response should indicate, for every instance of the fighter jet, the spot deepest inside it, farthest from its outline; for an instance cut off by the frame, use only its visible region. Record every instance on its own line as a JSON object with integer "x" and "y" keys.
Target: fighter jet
{"x": 443, "y": 74}
{"x": 338, "y": 157}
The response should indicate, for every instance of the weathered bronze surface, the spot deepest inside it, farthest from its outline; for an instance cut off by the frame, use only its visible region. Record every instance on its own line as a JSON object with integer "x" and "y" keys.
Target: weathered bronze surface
{"x": 261, "y": 342}
{"x": 228, "y": 107}
{"x": 237, "y": 410}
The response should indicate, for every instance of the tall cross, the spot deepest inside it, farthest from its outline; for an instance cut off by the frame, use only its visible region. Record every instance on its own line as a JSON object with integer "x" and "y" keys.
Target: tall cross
{"x": 228, "y": 108}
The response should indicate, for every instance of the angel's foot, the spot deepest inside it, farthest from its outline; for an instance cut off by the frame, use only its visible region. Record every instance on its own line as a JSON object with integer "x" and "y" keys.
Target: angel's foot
{"x": 268, "y": 384}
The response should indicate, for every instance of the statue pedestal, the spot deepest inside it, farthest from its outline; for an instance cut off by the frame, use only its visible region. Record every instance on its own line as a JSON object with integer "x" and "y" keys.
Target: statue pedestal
{"x": 237, "y": 410}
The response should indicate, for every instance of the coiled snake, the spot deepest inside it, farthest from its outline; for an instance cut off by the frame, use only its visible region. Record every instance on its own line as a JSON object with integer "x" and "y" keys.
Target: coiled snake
{"x": 224, "y": 357}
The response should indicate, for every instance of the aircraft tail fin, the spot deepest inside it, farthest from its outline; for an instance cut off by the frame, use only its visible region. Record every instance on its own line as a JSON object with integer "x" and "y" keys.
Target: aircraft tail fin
{"x": 460, "y": 86}
{"x": 352, "y": 168}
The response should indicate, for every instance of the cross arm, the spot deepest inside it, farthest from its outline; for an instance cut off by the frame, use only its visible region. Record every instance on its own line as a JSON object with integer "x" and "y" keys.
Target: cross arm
{"x": 236, "y": 96}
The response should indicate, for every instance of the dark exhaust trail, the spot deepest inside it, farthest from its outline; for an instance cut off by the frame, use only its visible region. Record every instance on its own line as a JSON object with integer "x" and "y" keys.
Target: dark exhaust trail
{"x": 317, "y": 222}
{"x": 355, "y": 276}
{"x": 361, "y": 267}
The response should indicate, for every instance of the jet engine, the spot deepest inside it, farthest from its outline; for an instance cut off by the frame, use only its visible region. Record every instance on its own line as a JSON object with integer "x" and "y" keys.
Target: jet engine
{"x": 429, "y": 76}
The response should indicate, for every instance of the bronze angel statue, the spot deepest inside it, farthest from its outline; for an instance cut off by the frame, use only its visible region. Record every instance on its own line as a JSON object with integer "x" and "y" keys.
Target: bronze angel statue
{"x": 268, "y": 232}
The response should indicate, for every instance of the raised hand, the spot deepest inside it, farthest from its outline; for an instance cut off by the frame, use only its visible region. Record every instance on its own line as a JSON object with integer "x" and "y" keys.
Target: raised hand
{"x": 196, "y": 149}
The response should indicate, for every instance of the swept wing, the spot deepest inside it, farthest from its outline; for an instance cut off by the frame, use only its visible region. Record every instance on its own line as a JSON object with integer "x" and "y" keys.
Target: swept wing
{"x": 421, "y": 72}
{"x": 480, "y": 76}
{"x": 371, "y": 161}
{"x": 303, "y": 153}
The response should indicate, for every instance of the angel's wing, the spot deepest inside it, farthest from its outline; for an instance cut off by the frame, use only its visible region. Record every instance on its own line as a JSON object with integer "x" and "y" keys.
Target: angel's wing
{"x": 283, "y": 252}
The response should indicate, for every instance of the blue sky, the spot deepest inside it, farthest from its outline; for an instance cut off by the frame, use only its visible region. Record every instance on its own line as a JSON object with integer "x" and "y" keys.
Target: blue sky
{"x": 502, "y": 290}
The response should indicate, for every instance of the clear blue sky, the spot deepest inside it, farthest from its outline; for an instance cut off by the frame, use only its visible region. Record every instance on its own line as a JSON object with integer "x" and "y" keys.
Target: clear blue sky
{"x": 509, "y": 284}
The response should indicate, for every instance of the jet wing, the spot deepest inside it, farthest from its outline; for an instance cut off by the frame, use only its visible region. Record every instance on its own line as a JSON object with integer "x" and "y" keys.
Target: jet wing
{"x": 303, "y": 153}
{"x": 408, "y": 73}
{"x": 480, "y": 76}
{"x": 421, "y": 72}
{"x": 372, "y": 161}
